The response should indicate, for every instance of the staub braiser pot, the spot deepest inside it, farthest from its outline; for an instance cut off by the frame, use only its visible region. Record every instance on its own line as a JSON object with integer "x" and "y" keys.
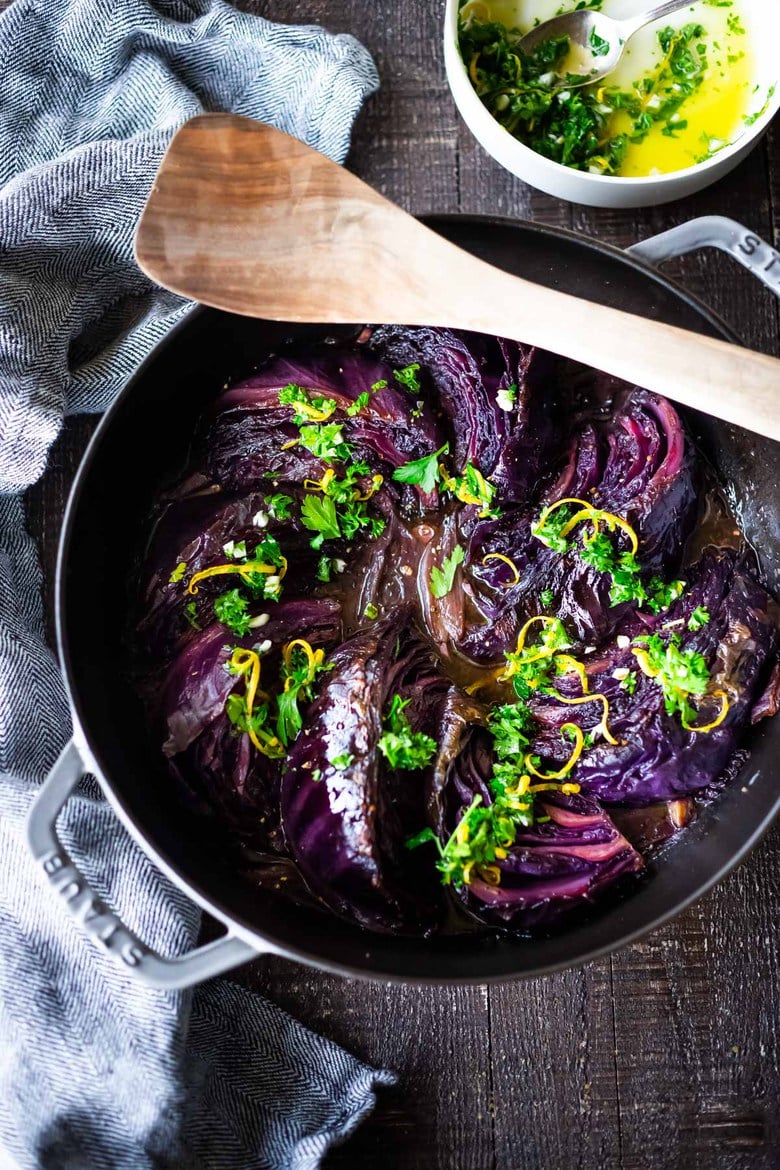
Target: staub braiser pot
{"x": 139, "y": 445}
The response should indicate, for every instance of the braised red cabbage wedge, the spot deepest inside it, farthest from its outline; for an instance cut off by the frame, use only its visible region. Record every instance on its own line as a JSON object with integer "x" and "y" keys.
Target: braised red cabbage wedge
{"x": 435, "y": 621}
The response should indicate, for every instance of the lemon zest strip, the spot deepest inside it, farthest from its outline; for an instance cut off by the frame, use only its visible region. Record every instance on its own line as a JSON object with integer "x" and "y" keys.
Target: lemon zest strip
{"x": 595, "y": 516}
{"x": 313, "y": 658}
{"x": 490, "y": 874}
{"x": 579, "y": 740}
{"x": 315, "y": 413}
{"x": 244, "y": 571}
{"x": 724, "y": 710}
{"x": 598, "y": 698}
{"x": 507, "y": 561}
{"x": 574, "y": 667}
{"x": 247, "y": 663}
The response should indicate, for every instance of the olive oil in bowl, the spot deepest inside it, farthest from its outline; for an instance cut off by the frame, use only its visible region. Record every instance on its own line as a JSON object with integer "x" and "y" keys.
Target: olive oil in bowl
{"x": 683, "y": 91}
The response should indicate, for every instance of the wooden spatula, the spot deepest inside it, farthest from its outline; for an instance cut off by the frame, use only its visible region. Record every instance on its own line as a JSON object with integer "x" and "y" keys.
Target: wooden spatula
{"x": 247, "y": 219}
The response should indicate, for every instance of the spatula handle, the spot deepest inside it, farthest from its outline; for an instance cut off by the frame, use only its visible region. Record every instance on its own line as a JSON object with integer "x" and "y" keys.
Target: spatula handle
{"x": 737, "y": 385}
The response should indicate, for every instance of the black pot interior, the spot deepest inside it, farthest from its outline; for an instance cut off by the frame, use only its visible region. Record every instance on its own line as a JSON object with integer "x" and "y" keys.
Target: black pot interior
{"x": 142, "y": 443}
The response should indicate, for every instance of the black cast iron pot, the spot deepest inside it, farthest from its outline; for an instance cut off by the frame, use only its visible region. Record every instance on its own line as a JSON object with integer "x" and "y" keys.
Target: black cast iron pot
{"x": 143, "y": 439}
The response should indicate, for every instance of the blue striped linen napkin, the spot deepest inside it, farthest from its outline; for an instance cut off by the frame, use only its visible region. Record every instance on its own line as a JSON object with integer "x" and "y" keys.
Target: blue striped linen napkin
{"x": 97, "y": 1073}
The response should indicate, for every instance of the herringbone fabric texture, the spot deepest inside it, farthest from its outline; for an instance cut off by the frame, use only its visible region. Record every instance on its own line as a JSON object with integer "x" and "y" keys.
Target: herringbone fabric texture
{"x": 95, "y": 1072}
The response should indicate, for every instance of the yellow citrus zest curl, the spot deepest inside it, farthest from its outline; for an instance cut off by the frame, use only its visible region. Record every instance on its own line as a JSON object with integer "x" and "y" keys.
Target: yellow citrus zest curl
{"x": 724, "y": 710}
{"x": 490, "y": 874}
{"x": 314, "y": 413}
{"x": 596, "y": 516}
{"x": 565, "y": 789}
{"x": 579, "y": 740}
{"x": 603, "y": 726}
{"x": 320, "y": 485}
{"x": 247, "y": 664}
{"x": 244, "y": 571}
{"x": 376, "y": 483}
{"x": 507, "y": 561}
{"x": 521, "y": 637}
{"x": 643, "y": 662}
{"x": 314, "y": 659}
{"x": 460, "y": 490}
{"x": 571, "y": 665}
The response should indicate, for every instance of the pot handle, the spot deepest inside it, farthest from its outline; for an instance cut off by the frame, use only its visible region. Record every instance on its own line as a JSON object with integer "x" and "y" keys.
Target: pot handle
{"x": 100, "y": 923}
{"x": 715, "y": 231}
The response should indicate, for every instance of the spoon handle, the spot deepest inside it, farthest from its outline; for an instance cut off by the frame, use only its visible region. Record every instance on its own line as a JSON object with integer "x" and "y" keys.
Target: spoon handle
{"x": 634, "y": 23}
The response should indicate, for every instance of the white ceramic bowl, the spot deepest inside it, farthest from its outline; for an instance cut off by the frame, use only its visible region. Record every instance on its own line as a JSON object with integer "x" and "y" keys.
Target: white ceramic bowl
{"x": 763, "y": 20}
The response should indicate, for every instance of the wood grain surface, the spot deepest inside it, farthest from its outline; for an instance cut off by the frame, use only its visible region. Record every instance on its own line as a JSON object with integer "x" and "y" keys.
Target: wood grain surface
{"x": 664, "y": 1055}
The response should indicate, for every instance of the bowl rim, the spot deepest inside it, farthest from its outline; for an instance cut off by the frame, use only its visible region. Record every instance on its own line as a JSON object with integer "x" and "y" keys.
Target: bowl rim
{"x": 487, "y": 126}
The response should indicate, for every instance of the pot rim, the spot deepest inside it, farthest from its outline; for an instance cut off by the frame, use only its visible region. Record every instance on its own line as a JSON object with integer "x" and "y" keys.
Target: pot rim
{"x": 266, "y": 943}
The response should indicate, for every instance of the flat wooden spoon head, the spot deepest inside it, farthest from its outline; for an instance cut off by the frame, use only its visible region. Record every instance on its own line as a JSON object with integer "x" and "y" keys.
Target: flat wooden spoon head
{"x": 248, "y": 219}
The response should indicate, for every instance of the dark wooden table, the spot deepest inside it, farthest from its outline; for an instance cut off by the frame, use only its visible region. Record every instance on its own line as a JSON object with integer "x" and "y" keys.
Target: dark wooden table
{"x": 664, "y": 1055}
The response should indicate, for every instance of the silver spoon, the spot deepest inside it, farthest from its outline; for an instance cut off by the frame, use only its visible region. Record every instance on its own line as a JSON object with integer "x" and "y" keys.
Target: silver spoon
{"x": 597, "y": 41}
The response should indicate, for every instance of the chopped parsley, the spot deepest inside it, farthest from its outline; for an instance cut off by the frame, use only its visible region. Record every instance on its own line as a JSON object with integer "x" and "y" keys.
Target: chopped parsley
{"x": 511, "y": 726}
{"x": 629, "y": 682}
{"x": 342, "y": 509}
{"x": 403, "y": 748}
{"x": 318, "y": 513}
{"x": 326, "y": 441}
{"x": 472, "y": 488}
{"x": 268, "y": 554}
{"x": 306, "y": 407}
{"x": 679, "y": 673}
{"x": 349, "y": 487}
{"x": 273, "y": 723}
{"x": 442, "y": 579}
{"x": 324, "y": 567}
{"x": 424, "y": 472}
{"x": 661, "y": 595}
{"x": 359, "y": 404}
{"x": 407, "y": 377}
{"x": 599, "y": 45}
{"x": 247, "y": 716}
{"x": 371, "y": 611}
{"x": 232, "y": 610}
{"x": 698, "y": 619}
{"x": 342, "y": 761}
{"x": 191, "y": 614}
{"x": 257, "y": 722}
{"x": 530, "y": 667}
{"x": 486, "y": 833}
{"x": 300, "y": 667}
{"x": 178, "y": 573}
{"x": 280, "y": 506}
{"x": 576, "y": 126}
{"x": 564, "y": 532}
{"x": 549, "y": 529}
{"x": 547, "y": 597}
